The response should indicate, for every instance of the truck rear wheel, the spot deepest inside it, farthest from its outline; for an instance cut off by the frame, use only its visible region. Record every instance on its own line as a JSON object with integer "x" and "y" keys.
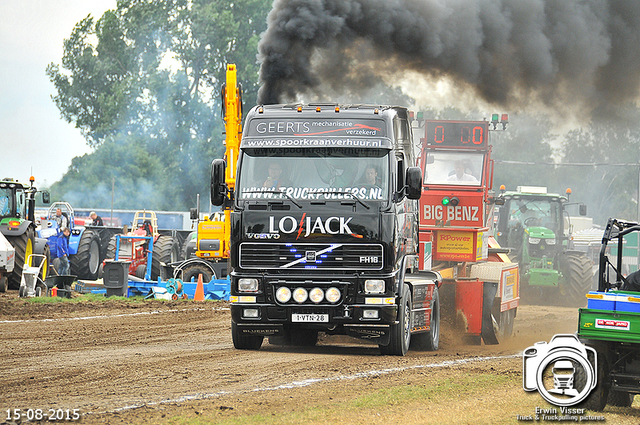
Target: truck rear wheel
{"x": 85, "y": 264}
{"x": 576, "y": 269}
{"x": 429, "y": 341}
{"x": 400, "y": 333}
{"x": 244, "y": 342}
{"x": 23, "y": 245}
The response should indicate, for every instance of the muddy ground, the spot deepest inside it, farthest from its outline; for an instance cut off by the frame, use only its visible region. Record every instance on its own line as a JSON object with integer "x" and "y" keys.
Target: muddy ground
{"x": 150, "y": 362}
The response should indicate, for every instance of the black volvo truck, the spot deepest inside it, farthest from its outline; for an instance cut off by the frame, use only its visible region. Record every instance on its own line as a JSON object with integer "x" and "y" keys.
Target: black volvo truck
{"x": 324, "y": 229}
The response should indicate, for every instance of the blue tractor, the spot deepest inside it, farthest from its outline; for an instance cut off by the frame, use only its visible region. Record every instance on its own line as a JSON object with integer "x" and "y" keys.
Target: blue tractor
{"x": 84, "y": 244}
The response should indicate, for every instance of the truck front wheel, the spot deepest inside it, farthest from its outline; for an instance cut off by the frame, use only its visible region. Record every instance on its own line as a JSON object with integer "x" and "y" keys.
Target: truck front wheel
{"x": 400, "y": 333}
{"x": 244, "y": 342}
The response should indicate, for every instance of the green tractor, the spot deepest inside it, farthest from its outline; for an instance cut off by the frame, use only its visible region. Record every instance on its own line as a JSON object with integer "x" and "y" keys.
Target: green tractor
{"x": 610, "y": 324}
{"x": 534, "y": 225}
{"x": 18, "y": 226}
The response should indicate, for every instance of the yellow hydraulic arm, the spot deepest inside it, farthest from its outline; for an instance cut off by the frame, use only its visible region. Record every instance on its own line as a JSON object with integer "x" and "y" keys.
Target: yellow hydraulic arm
{"x": 216, "y": 229}
{"x": 233, "y": 130}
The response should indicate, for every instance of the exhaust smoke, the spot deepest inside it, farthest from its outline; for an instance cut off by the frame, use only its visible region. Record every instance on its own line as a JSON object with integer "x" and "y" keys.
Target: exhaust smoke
{"x": 564, "y": 54}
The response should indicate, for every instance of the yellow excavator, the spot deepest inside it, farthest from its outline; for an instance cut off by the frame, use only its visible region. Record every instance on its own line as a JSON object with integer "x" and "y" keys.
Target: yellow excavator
{"x": 214, "y": 231}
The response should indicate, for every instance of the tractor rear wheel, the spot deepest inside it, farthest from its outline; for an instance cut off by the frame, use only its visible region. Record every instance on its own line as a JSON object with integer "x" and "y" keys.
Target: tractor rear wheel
{"x": 23, "y": 245}
{"x": 576, "y": 269}
{"x": 111, "y": 248}
{"x": 193, "y": 270}
{"x": 85, "y": 264}
{"x": 165, "y": 250}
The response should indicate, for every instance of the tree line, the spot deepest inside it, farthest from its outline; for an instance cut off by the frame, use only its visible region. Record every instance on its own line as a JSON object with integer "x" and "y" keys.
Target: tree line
{"x": 142, "y": 83}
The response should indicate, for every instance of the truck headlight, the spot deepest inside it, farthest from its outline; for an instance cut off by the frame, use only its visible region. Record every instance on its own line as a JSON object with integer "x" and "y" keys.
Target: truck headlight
{"x": 316, "y": 295}
{"x": 300, "y": 295}
{"x": 247, "y": 285}
{"x": 332, "y": 295}
{"x": 374, "y": 286}
{"x": 283, "y": 294}
{"x": 534, "y": 241}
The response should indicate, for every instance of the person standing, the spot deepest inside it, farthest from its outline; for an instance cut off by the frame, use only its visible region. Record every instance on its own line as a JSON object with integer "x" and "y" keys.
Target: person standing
{"x": 62, "y": 251}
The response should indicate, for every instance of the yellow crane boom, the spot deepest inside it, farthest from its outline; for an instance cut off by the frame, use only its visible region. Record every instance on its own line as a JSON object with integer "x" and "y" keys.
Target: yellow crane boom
{"x": 213, "y": 233}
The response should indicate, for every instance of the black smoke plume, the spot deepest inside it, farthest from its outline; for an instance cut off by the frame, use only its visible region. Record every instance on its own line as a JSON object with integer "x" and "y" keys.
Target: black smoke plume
{"x": 561, "y": 52}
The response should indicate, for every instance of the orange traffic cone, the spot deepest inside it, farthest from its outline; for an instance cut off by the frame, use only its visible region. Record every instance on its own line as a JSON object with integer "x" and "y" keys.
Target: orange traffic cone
{"x": 54, "y": 291}
{"x": 199, "y": 295}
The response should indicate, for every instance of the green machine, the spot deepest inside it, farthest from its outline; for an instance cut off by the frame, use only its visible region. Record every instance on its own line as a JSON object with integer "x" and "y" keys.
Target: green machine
{"x": 534, "y": 225}
{"x": 18, "y": 225}
{"x": 611, "y": 324}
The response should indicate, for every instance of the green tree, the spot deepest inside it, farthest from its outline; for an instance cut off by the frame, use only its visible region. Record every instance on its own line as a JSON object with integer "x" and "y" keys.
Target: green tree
{"x": 142, "y": 84}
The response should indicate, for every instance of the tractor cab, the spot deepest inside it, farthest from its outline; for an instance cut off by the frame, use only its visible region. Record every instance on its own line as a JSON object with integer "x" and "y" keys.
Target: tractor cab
{"x": 13, "y": 199}
{"x": 532, "y": 222}
{"x": 535, "y": 226}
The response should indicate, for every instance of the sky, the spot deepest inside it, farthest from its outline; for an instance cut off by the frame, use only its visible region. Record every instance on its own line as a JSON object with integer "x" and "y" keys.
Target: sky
{"x": 34, "y": 138}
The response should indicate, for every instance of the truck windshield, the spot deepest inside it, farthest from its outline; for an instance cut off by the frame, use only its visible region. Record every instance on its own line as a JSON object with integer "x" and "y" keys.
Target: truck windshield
{"x": 454, "y": 168}
{"x": 314, "y": 174}
{"x": 533, "y": 212}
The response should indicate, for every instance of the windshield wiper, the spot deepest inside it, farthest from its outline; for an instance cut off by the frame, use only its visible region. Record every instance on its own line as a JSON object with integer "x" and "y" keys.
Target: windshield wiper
{"x": 277, "y": 192}
{"x": 344, "y": 192}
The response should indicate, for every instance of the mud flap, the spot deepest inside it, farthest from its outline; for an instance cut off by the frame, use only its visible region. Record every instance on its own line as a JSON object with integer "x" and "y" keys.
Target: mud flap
{"x": 488, "y": 295}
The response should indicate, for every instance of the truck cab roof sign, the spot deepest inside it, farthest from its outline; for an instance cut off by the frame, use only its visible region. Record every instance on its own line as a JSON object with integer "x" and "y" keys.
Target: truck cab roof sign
{"x": 265, "y": 132}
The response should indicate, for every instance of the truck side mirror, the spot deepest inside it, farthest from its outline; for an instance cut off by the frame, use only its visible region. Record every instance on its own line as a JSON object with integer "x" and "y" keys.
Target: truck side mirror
{"x": 46, "y": 197}
{"x": 193, "y": 213}
{"x": 218, "y": 185}
{"x": 413, "y": 182}
{"x": 583, "y": 209}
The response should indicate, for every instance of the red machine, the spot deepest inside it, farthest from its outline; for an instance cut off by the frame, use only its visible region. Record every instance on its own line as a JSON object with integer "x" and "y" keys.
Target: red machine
{"x": 480, "y": 291}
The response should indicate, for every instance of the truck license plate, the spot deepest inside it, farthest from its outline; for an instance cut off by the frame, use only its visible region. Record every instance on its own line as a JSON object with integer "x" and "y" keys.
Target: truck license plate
{"x": 314, "y": 318}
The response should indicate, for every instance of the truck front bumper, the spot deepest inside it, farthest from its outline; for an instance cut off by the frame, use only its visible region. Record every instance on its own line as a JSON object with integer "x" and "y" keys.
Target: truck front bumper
{"x": 365, "y": 321}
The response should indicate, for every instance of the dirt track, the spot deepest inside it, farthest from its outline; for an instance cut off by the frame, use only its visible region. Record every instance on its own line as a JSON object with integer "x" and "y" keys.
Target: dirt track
{"x": 119, "y": 362}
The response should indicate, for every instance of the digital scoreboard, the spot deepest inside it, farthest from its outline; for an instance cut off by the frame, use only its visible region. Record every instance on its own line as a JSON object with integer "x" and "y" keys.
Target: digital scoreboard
{"x": 459, "y": 134}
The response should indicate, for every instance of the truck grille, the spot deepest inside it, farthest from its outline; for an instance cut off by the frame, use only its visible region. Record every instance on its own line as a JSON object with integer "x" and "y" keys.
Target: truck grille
{"x": 305, "y": 256}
